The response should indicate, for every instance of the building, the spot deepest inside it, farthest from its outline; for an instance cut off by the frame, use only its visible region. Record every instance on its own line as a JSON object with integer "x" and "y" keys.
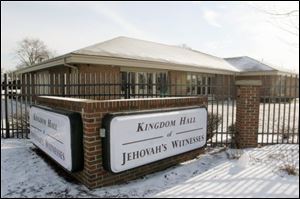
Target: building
{"x": 277, "y": 82}
{"x": 137, "y": 68}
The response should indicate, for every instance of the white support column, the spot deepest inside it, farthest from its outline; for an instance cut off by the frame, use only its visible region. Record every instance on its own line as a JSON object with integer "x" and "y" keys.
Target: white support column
{"x": 136, "y": 83}
{"x": 154, "y": 84}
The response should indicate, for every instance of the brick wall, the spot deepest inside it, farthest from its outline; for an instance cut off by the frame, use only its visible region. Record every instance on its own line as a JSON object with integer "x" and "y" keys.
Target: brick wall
{"x": 92, "y": 112}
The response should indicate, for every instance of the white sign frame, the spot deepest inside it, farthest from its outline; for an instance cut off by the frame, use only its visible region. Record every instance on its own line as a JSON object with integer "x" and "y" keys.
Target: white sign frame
{"x": 163, "y": 139}
{"x": 58, "y": 133}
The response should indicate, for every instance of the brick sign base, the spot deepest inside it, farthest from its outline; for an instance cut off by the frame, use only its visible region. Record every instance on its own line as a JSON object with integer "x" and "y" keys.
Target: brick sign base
{"x": 94, "y": 175}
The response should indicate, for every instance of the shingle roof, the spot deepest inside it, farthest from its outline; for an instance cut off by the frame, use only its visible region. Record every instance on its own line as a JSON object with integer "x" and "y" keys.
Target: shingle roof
{"x": 247, "y": 64}
{"x": 165, "y": 55}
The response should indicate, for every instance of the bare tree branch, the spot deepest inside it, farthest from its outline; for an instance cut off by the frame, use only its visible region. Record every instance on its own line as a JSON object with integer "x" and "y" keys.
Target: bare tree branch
{"x": 32, "y": 51}
{"x": 275, "y": 13}
{"x": 285, "y": 19}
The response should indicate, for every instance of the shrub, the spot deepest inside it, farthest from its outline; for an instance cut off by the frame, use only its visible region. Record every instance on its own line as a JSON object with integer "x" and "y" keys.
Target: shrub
{"x": 232, "y": 131}
{"x": 214, "y": 120}
{"x": 290, "y": 169}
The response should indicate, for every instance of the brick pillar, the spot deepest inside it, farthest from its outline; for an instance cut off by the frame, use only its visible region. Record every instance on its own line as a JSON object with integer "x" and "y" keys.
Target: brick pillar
{"x": 247, "y": 112}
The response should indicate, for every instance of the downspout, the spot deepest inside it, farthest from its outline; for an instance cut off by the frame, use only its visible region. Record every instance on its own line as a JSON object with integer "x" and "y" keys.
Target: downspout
{"x": 70, "y": 66}
{"x": 75, "y": 70}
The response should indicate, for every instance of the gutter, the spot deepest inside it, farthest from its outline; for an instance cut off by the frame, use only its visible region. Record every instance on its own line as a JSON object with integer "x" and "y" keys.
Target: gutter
{"x": 61, "y": 60}
{"x": 70, "y": 66}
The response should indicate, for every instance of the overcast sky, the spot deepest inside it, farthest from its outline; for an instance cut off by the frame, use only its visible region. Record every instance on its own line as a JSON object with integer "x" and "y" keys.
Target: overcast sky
{"x": 224, "y": 29}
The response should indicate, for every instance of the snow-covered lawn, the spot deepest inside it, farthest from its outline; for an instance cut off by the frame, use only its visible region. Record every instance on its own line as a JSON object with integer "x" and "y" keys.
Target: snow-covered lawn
{"x": 257, "y": 173}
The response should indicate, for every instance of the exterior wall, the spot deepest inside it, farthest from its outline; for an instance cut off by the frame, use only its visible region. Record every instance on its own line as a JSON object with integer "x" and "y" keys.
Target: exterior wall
{"x": 50, "y": 78}
{"x": 276, "y": 86}
{"x": 92, "y": 112}
{"x": 177, "y": 81}
{"x": 57, "y": 77}
{"x": 223, "y": 87}
{"x": 42, "y": 77}
{"x": 108, "y": 80}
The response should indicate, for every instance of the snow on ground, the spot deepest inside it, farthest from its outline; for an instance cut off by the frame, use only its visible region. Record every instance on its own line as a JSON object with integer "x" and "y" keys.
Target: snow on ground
{"x": 26, "y": 173}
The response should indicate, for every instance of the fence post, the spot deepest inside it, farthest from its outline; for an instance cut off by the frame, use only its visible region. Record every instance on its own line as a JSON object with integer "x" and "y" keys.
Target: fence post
{"x": 63, "y": 79}
{"x": 247, "y": 112}
{"x": 6, "y": 106}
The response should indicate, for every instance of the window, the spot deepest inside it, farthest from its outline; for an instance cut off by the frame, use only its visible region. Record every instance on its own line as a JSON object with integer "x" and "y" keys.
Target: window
{"x": 132, "y": 83}
{"x": 143, "y": 84}
{"x": 188, "y": 84}
{"x": 209, "y": 85}
{"x": 194, "y": 84}
{"x": 204, "y": 85}
{"x": 161, "y": 84}
{"x": 198, "y": 84}
{"x": 150, "y": 83}
{"x": 123, "y": 83}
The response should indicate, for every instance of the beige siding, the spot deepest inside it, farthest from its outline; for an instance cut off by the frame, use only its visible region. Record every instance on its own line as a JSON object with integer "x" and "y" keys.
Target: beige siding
{"x": 177, "y": 81}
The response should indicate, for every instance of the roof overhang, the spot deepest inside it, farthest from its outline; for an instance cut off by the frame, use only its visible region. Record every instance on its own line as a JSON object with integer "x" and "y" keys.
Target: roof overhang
{"x": 46, "y": 64}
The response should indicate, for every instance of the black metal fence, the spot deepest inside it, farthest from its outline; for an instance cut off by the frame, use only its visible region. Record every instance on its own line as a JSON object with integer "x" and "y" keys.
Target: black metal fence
{"x": 14, "y": 108}
{"x": 279, "y": 109}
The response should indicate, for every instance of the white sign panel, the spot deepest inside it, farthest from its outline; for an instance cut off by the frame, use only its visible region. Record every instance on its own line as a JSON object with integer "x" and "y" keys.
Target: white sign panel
{"x": 138, "y": 139}
{"x": 52, "y": 133}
